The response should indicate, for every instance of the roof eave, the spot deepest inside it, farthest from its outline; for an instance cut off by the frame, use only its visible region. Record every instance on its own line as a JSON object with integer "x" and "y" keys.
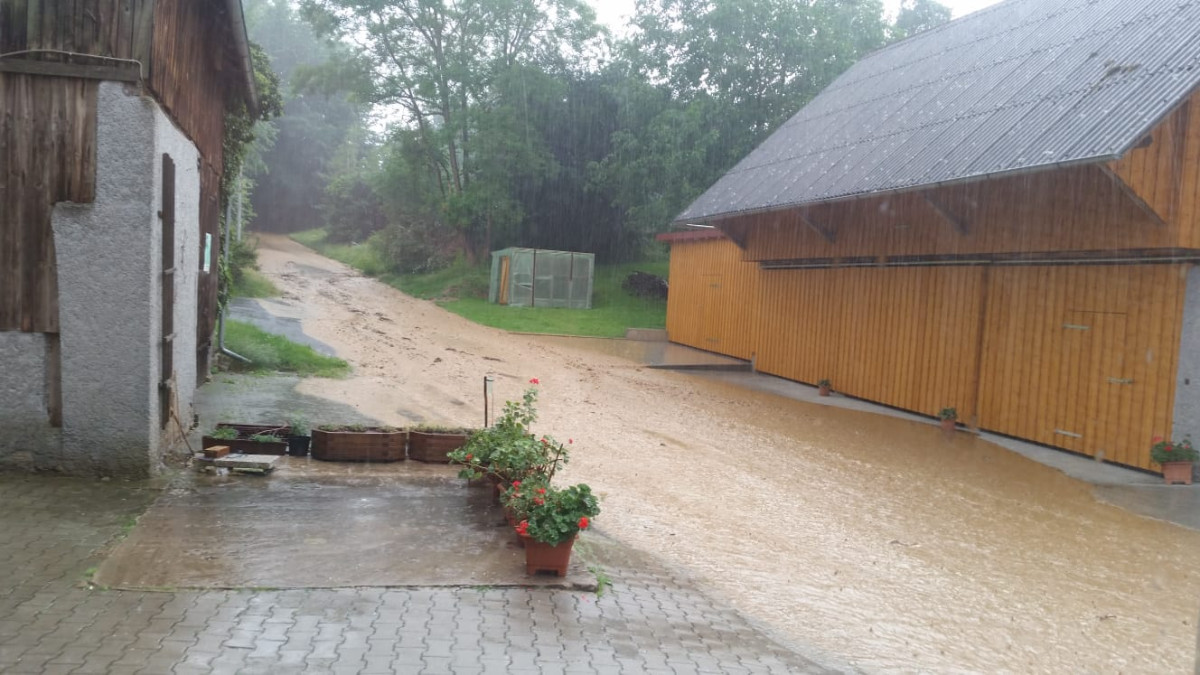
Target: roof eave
{"x": 241, "y": 40}
{"x": 1038, "y": 168}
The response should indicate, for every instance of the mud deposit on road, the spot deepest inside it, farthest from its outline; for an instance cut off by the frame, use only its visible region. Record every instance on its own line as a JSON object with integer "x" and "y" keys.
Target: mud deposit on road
{"x": 871, "y": 538}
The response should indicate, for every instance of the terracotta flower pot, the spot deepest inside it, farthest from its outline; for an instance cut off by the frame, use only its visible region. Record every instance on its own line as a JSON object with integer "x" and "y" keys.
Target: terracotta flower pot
{"x": 823, "y": 390}
{"x": 541, "y": 557}
{"x": 1177, "y": 472}
{"x": 949, "y": 425}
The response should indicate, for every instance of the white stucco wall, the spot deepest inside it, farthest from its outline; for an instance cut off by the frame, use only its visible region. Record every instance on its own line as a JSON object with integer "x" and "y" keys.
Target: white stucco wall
{"x": 27, "y": 441}
{"x": 108, "y": 260}
{"x": 1186, "y": 421}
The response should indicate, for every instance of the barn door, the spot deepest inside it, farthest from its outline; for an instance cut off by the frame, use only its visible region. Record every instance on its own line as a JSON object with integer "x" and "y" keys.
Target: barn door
{"x": 1093, "y": 381}
{"x": 712, "y": 319}
{"x": 504, "y": 280}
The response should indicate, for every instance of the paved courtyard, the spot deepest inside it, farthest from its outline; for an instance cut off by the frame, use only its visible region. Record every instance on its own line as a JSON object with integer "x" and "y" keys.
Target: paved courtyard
{"x": 56, "y": 531}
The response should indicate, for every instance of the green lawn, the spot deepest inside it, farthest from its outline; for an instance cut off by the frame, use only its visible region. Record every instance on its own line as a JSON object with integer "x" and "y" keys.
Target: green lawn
{"x": 275, "y": 353}
{"x": 463, "y": 290}
{"x": 254, "y": 285}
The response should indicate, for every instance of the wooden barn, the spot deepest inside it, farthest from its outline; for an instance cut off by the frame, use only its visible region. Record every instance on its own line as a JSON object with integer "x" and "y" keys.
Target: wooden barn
{"x": 1000, "y": 215}
{"x": 112, "y": 121}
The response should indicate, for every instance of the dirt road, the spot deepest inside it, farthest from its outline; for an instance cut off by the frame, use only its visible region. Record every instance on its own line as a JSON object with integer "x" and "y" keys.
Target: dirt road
{"x": 870, "y": 538}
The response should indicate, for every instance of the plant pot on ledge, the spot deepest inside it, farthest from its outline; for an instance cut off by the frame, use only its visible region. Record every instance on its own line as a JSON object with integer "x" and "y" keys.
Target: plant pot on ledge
{"x": 541, "y": 557}
{"x": 1176, "y": 459}
{"x": 824, "y": 388}
{"x": 1177, "y": 473}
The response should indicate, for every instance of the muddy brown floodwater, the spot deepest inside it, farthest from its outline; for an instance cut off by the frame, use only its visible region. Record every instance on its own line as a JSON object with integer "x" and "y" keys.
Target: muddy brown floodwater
{"x": 871, "y": 539}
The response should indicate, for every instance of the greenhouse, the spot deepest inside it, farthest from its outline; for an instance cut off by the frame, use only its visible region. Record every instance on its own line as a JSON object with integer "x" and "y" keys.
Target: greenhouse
{"x": 526, "y": 277}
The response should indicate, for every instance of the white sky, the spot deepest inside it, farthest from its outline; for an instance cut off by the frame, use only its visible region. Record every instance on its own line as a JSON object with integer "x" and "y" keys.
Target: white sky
{"x": 614, "y": 13}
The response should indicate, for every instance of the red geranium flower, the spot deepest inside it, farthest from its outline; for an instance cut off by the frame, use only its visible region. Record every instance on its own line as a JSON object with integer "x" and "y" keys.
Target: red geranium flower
{"x": 583, "y": 523}
{"x": 523, "y": 527}
{"x": 516, "y": 483}
{"x": 539, "y": 501}
{"x": 533, "y": 380}
{"x": 469, "y": 457}
{"x": 541, "y": 491}
{"x": 570, "y": 441}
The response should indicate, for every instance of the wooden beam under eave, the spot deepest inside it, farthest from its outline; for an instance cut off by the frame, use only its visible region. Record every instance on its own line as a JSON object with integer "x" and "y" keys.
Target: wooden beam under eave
{"x": 1129, "y": 192}
{"x": 960, "y": 224}
{"x": 736, "y": 234}
{"x": 79, "y": 71}
{"x": 826, "y": 232}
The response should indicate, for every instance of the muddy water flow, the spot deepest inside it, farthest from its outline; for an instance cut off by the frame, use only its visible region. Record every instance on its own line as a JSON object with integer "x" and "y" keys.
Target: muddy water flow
{"x": 874, "y": 539}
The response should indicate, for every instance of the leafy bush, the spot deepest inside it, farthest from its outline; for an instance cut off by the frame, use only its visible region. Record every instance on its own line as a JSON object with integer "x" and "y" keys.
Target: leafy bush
{"x": 561, "y": 515}
{"x": 414, "y": 247}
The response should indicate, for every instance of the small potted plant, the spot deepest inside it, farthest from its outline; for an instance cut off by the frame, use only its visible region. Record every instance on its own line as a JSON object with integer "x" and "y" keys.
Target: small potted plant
{"x": 949, "y": 418}
{"x": 243, "y": 442}
{"x": 433, "y": 443}
{"x": 824, "y": 387}
{"x": 552, "y": 523}
{"x": 299, "y": 439}
{"x": 1176, "y": 458}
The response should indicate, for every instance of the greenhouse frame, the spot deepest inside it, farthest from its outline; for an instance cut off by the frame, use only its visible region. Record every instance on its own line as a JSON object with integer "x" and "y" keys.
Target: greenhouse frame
{"x": 527, "y": 277}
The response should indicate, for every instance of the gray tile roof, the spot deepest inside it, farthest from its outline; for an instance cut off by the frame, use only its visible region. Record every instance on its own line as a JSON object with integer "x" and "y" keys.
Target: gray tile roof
{"x": 1020, "y": 86}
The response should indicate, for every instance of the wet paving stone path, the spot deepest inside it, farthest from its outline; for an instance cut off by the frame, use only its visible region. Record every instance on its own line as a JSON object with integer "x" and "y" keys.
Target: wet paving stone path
{"x": 56, "y": 530}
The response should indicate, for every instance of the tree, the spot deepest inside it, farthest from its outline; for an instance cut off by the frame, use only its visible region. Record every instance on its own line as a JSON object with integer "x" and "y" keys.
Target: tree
{"x": 438, "y": 61}
{"x": 290, "y": 169}
{"x": 705, "y": 81}
{"x": 916, "y": 16}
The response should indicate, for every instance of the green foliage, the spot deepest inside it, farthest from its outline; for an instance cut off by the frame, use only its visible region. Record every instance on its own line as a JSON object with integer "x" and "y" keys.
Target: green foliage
{"x": 917, "y": 16}
{"x": 293, "y": 168}
{"x": 509, "y": 450}
{"x": 299, "y": 425}
{"x": 224, "y": 433}
{"x": 948, "y": 414}
{"x": 1173, "y": 451}
{"x": 265, "y": 438}
{"x": 825, "y": 383}
{"x": 254, "y": 285}
{"x": 562, "y": 515}
{"x": 269, "y": 352}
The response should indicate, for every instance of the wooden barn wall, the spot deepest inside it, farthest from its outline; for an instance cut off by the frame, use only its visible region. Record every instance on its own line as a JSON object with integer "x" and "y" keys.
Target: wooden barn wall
{"x": 47, "y": 155}
{"x": 1027, "y": 351}
{"x": 1166, "y": 174}
{"x": 907, "y": 337}
{"x": 206, "y": 288}
{"x": 713, "y": 298}
{"x": 190, "y": 75}
{"x": 1079, "y": 209}
{"x": 117, "y": 28}
{"x": 1083, "y": 358}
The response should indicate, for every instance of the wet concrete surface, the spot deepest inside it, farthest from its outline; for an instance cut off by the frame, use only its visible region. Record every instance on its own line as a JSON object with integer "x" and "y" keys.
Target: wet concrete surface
{"x": 53, "y": 621}
{"x": 313, "y": 524}
{"x": 654, "y": 354}
{"x": 278, "y": 317}
{"x": 268, "y": 399}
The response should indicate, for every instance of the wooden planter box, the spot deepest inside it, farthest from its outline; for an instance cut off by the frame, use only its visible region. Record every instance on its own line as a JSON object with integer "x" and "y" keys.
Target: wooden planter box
{"x": 246, "y": 446}
{"x": 430, "y": 446}
{"x": 372, "y": 445}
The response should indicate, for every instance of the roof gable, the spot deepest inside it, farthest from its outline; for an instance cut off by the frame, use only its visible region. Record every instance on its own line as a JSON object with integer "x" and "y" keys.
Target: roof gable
{"x": 1021, "y": 86}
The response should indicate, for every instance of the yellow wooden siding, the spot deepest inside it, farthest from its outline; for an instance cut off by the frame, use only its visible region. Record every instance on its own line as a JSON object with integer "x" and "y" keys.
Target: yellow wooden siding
{"x": 907, "y": 337}
{"x": 1079, "y": 209}
{"x": 713, "y": 297}
{"x": 1090, "y": 351}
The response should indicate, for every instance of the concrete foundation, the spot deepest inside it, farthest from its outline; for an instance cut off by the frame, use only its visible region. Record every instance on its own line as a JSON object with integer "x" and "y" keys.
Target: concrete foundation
{"x": 109, "y": 263}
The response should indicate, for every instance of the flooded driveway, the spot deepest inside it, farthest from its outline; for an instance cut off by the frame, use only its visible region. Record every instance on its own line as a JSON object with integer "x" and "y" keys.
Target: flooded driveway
{"x": 872, "y": 538}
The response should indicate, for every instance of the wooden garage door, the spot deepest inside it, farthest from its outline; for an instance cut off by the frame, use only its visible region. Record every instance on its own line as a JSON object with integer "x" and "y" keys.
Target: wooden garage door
{"x": 1082, "y": 357}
